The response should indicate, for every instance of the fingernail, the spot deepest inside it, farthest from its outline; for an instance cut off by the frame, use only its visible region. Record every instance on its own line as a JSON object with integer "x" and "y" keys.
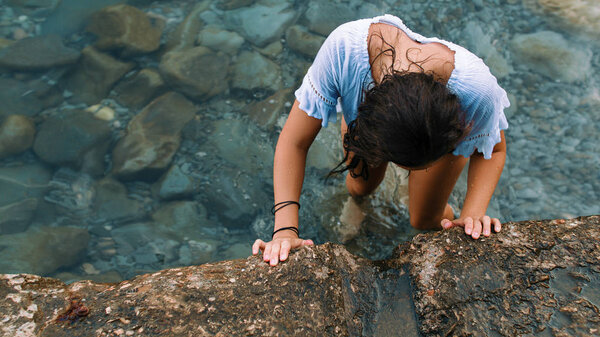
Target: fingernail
{"x": 476, "y": 236}
{"x": 486, "y": 233}
{"x": 266, "y": 257}
{"x": 283, "y": 257}
{"x": 468, "y": 231}
{"x": 273, "y": 262}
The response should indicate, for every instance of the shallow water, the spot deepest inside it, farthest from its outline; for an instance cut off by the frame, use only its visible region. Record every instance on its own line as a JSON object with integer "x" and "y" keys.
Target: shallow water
{"x": 221, "y": 172}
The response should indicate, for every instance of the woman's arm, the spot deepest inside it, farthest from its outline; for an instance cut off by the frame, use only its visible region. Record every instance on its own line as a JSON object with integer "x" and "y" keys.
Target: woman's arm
{"x": 289, "y": 164}
{"x": 481, "y": 183}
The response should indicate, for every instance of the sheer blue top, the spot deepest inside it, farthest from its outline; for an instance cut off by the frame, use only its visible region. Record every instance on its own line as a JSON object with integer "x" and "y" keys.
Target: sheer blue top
{"x": 341, "y": 71}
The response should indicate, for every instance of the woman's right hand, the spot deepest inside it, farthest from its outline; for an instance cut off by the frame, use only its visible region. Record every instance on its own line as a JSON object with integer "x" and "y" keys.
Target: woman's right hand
{"x": 279, "y": 248}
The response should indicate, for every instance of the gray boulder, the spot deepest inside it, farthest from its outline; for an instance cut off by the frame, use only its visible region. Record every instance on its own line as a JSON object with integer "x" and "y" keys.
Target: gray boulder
{"x": 514, "y": 283}
{"x": 37, "y": 53}
{"x": 153, "y": 137}
{"x": 112, "y": 205}
{"x": 138, "y": 90}
{"x": 43, "y": 250}
{"x": 266, "y": 112}
{"x": 261, "y": 23}
{"x": 550, "y": 54}
{"x": 174, "y": 184}
{"x": 252, "y": 71}
{"x": 18, "y": 99}
{"x": 322, "y": 17}
{"x": 75, "y": 139}
{"x": 197, "y": 73}
{"x": 16, "y": 135}
{"x": 17, "y": 217}
{"x": 125, "y": 29}
{"x": 301, "y": 40}
{"x": 218, "y": 39}
{"x": 94, "y": 76}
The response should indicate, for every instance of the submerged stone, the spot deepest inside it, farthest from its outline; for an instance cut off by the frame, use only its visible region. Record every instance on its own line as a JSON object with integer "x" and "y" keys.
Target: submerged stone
{"x": 37, "y": 53}
{"x": 16, "y": 135}
{"x": 252, "y": 71}
{"x": 42, "y": 250}
{"x": 125, "y": 29}
{"x": 261, "y": 23}
{"x": 153, "y": 137}
{"x": 18, "y": 98}
{"x": 95, "y": 74}
{"x": 138, "y": 90}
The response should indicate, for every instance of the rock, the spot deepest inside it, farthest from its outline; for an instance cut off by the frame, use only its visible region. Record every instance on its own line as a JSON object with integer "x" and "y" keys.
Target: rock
{"x": 272, "y": 50}
{"x": 5, "y": 43}
{"x": 103, "y": 113}
{"x": 197, "y": 72}
{"x": 184, "y": 37}
{"x": 174, "y": 184}
{"x": 481, "y": 44}
{"x": 578, "y": 15}
{"x": 37, "y": 53}
{"x": 94, "y": 76}
{"x": 73, "y": 138}
{"x": 265, "y": 113}
{"x": 17, "y": 99}
{"x": 233, "y": 4}
{"x": 42, "y": 250}
{"x": 238, "y": 251}
{"x": 252, "y": 71}
{"x": 17, "y": 217}
{"x": 322, "y": 17}
{"x": 138, "y": 90}
{"x": 300, "y": 40}
{"x": 227, "y": 137}
{"x": 16, "y": 135}
{"x": 153, "y": 137}
{"x": 23, "y": 182}
{"x": 217, "y": 39}
{"x": 261, "y": 23}
{"x": 111, "y": 203}
{"x": 125, "y": 29}
{"x": 33, "y": 5}
{"x": 549, "y": 54}
{"x": 326, "y": 151}
{"x": 187, "y": 218}
{"x": 525, "y": 277}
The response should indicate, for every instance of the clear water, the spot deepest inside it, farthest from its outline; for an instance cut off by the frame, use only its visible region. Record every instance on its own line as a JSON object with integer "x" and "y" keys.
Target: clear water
{"x": 552, "y": 170}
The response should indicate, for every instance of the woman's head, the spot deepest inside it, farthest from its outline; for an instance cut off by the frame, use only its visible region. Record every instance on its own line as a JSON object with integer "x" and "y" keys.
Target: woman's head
{"x": 409, "y": 119}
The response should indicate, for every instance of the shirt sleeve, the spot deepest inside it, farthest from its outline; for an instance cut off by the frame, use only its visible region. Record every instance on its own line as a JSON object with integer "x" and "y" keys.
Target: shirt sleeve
{"x": 483, "y": 101}
{"x": 319, "y": 91}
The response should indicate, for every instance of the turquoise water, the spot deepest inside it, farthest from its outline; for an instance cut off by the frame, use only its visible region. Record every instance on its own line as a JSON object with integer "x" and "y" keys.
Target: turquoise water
{"x": 89, "y": 191}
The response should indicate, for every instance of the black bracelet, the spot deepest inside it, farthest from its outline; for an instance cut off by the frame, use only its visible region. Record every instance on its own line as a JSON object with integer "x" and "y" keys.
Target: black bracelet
{"x": 285, "y": 228}
{"x": 283, "y": 204}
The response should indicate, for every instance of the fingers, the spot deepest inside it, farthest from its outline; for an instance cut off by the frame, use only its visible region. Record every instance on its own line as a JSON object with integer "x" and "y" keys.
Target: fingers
{"x": 267, "y": 251}
{"x": 307, "y": 242}
{"x": 468, "y": 225}
{"x": 258, "y": 245}
{"x": 476, "y": 229}
{"x": 446, "y": 224}
{"x": 285, "y": 250}
{"x": 274, "y": 254}
{"x": 487, "y": 224}
{"x": 497, "y": 225}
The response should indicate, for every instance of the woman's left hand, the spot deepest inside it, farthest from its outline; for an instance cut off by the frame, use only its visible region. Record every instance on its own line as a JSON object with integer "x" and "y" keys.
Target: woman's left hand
{"x": 474, "y": 226}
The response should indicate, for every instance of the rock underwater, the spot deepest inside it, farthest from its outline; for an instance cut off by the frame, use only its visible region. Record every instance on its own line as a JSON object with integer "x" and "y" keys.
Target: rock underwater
{"x": 533, "y": 278}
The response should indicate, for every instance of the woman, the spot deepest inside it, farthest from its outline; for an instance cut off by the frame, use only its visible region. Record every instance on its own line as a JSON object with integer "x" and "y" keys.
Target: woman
{"x": 424, "y": 104}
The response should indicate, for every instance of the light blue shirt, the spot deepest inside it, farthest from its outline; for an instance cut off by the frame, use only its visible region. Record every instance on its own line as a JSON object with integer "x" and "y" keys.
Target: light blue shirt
{"x": 341, "y": 70}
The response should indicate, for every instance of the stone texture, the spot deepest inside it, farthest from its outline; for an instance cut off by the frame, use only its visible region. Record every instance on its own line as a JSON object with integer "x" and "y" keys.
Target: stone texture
{"x": 125, "y": 29}
{"x": 153, "y": 137}
{"x": 252, "y": 71}
{"x": 577, "y": 15}
{"x": 535, "y": 277}
{"x": 138, "y": 90}
{"x": 197, "y": 73}
{"x": 95, "y": 74}
{"x": 16, "y": 135}
{"x": 111, "y": 203}
{"x": 322, "y": 17}
{"x": 184, "y": 37}
{"x": 261, "y": 23}
{"x": 42, "y": 250}
{"x": 17, "y": 99}
{"x": 266, "y": 112}
{"x": 218, "y": 39}
{"x": 17, "y": 217}
{"x": 37, "y": 53}
{"x": 174, "y": 184}
{"x": 550, "y": 54}
{"x": 73, "y": 138}
{"x": 299, "y": 39}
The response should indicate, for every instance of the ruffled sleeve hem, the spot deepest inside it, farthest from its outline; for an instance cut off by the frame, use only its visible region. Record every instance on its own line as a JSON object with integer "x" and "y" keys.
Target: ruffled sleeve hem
{"x": 484, "y": 142}
{"x": 314, "y": 103}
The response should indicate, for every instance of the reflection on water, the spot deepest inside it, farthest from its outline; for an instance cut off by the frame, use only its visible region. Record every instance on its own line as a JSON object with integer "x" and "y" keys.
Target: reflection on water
{"x": 155, "y": 145}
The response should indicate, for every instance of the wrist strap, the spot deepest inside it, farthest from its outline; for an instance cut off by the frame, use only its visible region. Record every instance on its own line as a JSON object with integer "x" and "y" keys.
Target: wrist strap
{"x": 283, "y": 204}
{"x": 286, "y": 228}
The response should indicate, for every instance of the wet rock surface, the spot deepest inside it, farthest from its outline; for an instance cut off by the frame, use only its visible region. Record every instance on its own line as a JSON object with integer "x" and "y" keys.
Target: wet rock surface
{"x": 535, "y": 277}
{"x": 37, "y": 53}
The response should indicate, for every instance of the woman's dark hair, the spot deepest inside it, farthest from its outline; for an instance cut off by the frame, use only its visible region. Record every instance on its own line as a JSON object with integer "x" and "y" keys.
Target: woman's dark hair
{"x": 409, "y": 119}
